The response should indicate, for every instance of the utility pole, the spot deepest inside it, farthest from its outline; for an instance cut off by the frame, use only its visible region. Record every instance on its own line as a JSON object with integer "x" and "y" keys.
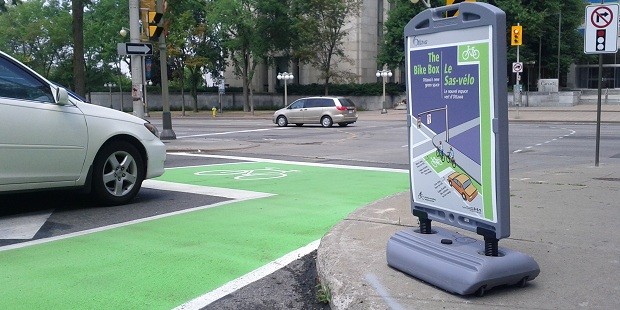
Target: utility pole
{"x": 136, "y": 60}
{"x": 167, "y": 132}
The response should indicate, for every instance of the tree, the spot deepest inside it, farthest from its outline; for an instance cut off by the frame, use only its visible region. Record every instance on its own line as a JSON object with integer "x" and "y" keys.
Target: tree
{"x": 35, "y": 33}
{"x": 3, "y": 7}
{"x": 102, "y": 22}
{"x": 238, "y": 30}
{"x": 320, "y": 24}
{"x": 192, "y": 45}
{"x": 539, "y": 19}
{"x": 392, "y": 50}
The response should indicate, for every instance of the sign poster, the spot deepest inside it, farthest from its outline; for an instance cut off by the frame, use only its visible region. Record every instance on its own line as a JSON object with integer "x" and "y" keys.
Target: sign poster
{"x": 451, "y": 83}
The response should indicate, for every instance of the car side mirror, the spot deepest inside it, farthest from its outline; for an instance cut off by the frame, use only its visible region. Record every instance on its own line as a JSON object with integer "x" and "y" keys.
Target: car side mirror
{"x": 62, "y": 96}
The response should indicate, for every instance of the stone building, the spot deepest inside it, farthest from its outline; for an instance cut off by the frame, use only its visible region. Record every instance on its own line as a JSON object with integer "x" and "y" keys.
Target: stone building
{"x": 365, "y": 32}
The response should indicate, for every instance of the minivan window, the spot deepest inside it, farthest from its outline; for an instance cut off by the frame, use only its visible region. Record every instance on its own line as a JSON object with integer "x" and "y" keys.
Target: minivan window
{"x": 312, "y": 103}
{"x": 297, "y": 104}
{"x": 326, "y": 103}
{"x": 346, "y": 102}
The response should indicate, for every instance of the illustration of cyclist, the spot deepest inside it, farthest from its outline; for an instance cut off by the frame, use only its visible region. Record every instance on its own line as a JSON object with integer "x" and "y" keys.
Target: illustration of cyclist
{"x": 450, "y": 156}
{"x": 440, "y": 152}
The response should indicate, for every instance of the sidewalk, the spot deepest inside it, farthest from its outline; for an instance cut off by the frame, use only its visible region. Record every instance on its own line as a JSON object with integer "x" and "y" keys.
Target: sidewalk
{"x": 566, "y": 220}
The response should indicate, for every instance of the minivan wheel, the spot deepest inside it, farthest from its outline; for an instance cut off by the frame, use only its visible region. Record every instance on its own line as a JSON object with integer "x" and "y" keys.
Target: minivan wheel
{"x": 282, "y": 121}
{"x": 118, "y": 172}
{"x": 326, "y": 121}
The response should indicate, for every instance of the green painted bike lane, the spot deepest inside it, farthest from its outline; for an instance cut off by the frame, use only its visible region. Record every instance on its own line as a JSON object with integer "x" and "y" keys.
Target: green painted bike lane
{"x": 166, "y": 262}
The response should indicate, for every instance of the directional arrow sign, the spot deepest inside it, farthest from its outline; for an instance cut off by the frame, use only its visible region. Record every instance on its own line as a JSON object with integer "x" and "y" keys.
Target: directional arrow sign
{"x": 134, "y": 48}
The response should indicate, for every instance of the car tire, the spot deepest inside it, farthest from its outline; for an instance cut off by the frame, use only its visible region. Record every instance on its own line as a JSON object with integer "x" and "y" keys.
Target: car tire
{"x": 343, "y": 124}
{"x": 326, "y": 121}
{"x": 118, "y": 172}
{"x": 282, "y": 121}
{"x": 299, "y": 124}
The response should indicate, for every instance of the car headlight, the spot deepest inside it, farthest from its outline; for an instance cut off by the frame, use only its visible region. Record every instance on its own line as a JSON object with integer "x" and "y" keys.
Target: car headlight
{"x": 152, "y": 129}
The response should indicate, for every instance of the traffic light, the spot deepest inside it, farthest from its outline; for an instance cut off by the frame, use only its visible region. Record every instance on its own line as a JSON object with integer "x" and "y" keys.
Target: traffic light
{"x": 516, "y": 35}
{"x": 153, "y": 25}
{"x": 600, "y": 39}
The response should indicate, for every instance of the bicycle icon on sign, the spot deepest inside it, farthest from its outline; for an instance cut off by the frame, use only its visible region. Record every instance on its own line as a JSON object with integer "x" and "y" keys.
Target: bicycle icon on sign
{"x": 250, "y": 174}
{"x": 470, "y": 52}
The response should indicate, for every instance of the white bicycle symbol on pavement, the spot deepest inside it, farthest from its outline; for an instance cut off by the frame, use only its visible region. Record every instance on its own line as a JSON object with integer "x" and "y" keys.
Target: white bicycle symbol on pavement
{"x": 249, "y": 174}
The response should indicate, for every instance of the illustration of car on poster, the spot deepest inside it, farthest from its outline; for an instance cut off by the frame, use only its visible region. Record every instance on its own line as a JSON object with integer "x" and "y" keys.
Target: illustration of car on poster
{"x": 463, "y": 185}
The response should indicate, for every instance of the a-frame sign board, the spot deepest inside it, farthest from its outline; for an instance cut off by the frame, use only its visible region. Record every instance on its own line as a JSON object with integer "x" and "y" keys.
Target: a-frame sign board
{"x": 458, "y": 152}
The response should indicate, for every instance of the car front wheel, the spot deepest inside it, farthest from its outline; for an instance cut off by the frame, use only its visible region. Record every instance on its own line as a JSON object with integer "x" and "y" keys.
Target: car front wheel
{"x": 118, "y": 173}
{"x": 282, "y": 121}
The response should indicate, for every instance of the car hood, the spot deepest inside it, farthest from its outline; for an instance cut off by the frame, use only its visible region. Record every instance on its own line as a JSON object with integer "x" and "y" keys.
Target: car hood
{"x": 98, "y": 111}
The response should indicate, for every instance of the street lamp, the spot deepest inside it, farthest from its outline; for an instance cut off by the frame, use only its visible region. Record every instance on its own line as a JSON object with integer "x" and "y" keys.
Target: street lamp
{"x": 384, "y": 73}
{"x": 285, "y": 76}
{"x": 109, "y": 86}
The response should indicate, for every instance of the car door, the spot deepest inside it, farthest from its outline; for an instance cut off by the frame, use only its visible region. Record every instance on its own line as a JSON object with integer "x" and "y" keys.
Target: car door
{"x": 40, "y": 141}
{"x": 296, "y": 111}
{"x": 314, "y": 110}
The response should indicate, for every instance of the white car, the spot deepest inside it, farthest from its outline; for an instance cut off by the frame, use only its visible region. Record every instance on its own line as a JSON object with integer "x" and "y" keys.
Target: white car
{"x": 50, "y": 140}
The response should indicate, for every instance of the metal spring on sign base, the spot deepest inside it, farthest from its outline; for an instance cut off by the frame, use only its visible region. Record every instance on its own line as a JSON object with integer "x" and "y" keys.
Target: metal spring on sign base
{"x": 490, "y": 247}
{"x": 425, "y": 226}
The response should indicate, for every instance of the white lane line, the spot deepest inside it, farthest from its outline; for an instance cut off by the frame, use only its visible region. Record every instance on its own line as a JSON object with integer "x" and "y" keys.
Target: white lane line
{"x": 299, "y": 163}
{"x": 23, "y": 226}
{"x": 572, "y": 132}
{"x": 235, "y": 195}
{"x": 248, "y": 278}
{"x": 228, "y": 132}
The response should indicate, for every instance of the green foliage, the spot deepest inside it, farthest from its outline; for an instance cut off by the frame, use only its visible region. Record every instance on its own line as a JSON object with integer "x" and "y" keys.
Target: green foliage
{"x": 392, "y": 48}
{"x": 369, "y": 89}
{"x": 35, "y": 33}
{"x": 540, "y": 21}
{"x": 323, "y": 294}
{"x": 320, "y": 25}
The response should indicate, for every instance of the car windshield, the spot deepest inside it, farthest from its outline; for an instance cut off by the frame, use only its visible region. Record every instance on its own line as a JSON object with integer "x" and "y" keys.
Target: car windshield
{"x": 467, "y": 183}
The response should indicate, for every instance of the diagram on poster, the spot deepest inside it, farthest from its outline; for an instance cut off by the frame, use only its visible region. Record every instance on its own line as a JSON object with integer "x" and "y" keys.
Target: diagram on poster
{"x": 452, "y": 142}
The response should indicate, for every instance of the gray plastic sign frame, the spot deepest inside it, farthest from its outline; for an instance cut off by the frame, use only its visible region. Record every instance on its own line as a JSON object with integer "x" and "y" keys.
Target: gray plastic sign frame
{"x": 458, "y": 117}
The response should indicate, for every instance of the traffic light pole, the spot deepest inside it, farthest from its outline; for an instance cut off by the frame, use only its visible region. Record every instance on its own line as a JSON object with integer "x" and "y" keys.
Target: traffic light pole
{"x": 517, "y": 91}
{"x": 136, "y": 60}
{"x": 167, "y": 132}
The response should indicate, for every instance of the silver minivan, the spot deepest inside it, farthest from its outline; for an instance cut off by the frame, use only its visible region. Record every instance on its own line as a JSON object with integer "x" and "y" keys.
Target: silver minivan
{"x": 317, "y": 110}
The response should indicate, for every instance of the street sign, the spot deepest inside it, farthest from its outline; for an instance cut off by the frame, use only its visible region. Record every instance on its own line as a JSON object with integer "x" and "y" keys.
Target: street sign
{"x": 517, "y": 67}
{"x": 134, "y": 49}
{"x": 601, "y": 30}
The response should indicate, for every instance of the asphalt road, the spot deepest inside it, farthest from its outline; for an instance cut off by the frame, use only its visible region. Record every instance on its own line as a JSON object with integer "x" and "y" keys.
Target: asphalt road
{"x": 369, "y": 143}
